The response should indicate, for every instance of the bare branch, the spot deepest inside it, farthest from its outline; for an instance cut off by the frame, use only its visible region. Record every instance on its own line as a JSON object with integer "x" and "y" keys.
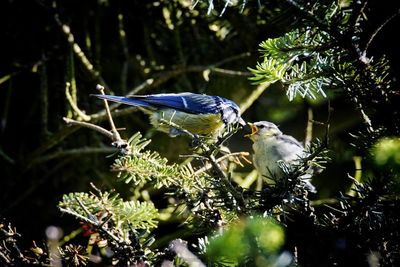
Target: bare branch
{"x": 242, "y": 155}
{"x": 231, "y": 72}
{"x": 90, "y": 126}
{"x": 379, "y": 29}
{"x": 78, "y": 51}
{"x": 74, "y": 105}
{"x": 253, "y": 97}
{"x": 309, "y": 128}
{"x": 72, "y": 152}
{"x": 116, "y": 136}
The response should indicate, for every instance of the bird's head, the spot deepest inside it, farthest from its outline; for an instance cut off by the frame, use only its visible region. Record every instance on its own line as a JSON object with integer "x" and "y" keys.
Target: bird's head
{"x": 263, "y": 129}
{"x": 230, "y": 112}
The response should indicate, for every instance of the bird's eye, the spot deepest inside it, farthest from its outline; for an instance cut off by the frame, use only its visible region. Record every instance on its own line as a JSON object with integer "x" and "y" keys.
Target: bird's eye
{"x": 261, "y": 126}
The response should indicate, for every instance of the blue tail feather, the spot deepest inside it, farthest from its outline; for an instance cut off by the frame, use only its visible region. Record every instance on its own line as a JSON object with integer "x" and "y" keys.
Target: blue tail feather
{"x": 125, "y": 100}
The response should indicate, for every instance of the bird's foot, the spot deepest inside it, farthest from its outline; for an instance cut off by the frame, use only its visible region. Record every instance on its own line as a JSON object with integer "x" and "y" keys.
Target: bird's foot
{"x": 196, "y": 141}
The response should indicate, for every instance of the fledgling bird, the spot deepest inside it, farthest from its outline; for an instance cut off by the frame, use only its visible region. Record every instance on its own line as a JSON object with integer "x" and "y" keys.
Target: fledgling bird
{"x": 198, "y": 114}
{"x": 271, "y": 147}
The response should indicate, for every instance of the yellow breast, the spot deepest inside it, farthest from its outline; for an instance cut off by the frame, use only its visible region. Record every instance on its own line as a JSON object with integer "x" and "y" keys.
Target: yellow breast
{"x": 202, "y": 124}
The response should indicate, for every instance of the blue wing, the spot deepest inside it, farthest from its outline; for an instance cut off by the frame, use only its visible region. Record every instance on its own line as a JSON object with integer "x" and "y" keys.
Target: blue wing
{"x": 186, "y": 102}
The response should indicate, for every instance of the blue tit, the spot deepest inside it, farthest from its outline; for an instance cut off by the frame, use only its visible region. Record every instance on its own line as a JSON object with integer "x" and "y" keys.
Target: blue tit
{"x": 272, "y": 147}
{"x": 198, "y": 114}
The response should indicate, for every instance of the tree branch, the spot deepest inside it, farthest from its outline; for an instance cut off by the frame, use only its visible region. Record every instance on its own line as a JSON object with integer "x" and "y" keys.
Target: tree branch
{"x": 78, "y": 51}
{"x": 90, "y": 126}
{"x": 234, "y": 154}
{"x": 73, "y": 152}
{"x": 375, "y": 33}
{"x": 73, "y": 104}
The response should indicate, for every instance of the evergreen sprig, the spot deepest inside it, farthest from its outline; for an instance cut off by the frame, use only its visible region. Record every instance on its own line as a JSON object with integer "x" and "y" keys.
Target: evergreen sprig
{"x": 369, "y": 219}
{"x": 323, "y": 54}
{"x": 141, "y": 167}
{"x": 110, "y": 213}
{"x": 303, "y": 60}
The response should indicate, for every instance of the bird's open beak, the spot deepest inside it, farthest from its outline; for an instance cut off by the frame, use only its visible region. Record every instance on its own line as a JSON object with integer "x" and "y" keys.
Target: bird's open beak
{"x": 254, "y": 130}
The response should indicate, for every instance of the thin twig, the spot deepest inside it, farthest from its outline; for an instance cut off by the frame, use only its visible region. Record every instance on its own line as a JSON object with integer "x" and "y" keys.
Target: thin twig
{"x": 231, "y": 72}
{"x": 6, "y": 157}
{"x": 125, "y": 50}
{"x": 255, "y": 94}
{"x": 224, "y": 178}
{"x": 193, "y": 156}
{"x": 328, "y": 123}
{"x": 357, "y": 15}
{"x": 92, "y": 185}
{"x": 78, "y": 51}
{"x": 118, "y": 142}
{"x": 72, "y": 152}
{"x": 44, "y": 100}
{"x": 379, "y": 29}
{"x": 309, "y": 128}
{"x": 227, "y": 2}
{"x": 73, "y": 104}
{"x": 116, "y": 136}
{"x": 209, "y": 166}
{"x": 90, "y": 126}
{"x": 94, "y": 223}
{"x": 88, "y": 213}
{"x": 71, "y": 75}
{"x": 319, "y": 202}
{"x": 356, "y": 180}
{"x": 179, "y": 128}
{"x": 332, "y": 208}
{"x": 230, "y": 59}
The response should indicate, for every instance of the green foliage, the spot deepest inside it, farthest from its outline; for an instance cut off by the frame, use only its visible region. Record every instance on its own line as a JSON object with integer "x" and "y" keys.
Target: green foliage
{"x": 302, "y": 59}
{"x": 387, "y": 152}
{"x": 140, "y": 167}
{"x": 369, "y": 219}
{"x": 386, "y": 155}
{"x": 123, "y": 226}
{"x": 320, "y": 56}
{"x": 111, "y": 212}
{"x": 254, "y": 241}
